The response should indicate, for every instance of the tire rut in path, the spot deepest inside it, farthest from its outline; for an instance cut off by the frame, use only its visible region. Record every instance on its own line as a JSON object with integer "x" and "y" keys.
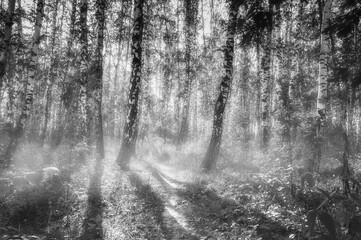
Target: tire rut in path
{"x": 173, "y": 222}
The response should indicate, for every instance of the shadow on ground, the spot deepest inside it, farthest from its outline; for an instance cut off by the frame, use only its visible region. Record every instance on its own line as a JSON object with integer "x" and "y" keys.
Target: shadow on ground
{"x": 220, "y": 218}
{"x": 92, "y": 224}
{"x": 155, "y": 206}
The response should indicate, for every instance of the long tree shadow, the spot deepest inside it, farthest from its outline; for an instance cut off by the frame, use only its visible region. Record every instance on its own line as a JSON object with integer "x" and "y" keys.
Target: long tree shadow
{"x": 156, "y": 207}
{"x": 217, "y": 217}
{"x": 92, "y": 224}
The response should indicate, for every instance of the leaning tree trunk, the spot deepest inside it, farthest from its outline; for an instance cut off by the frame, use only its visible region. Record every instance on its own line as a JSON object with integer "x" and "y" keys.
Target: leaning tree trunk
{"x": 265, "y": 84}
{"x": 130, "y": 128}
{"x": 211, "y": 156}
{"x": 14, "y": 141}
{"x": 98, "y": 86}
{"x": 5, "y": 43}
{"x": 322, "y": 86}
{"x": 191, "y": 12}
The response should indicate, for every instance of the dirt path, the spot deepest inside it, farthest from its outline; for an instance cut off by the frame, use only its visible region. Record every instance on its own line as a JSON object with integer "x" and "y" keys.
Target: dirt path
{"x": 165, "y": 182}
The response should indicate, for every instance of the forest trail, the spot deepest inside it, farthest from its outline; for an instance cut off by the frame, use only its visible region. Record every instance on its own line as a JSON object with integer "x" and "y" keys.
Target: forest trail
{"x": 156, "y": 199}
{"x": 146, "y": 201}
{"x": 165, "y": 182}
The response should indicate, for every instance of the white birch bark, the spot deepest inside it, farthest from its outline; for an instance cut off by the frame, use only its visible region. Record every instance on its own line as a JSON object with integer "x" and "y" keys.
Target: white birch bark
{"x": 322, "y": 75}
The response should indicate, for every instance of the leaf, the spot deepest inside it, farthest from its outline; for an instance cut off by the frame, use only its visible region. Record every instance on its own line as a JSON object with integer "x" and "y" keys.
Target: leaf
{"x": 311, "y": 221}
{"x": 324, "y": 192}
{"x": 327, "y": 220}
{"x": 307, "y": 177}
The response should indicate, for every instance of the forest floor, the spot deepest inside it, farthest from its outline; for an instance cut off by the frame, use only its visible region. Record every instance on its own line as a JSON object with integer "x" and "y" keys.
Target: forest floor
{"x": 158, "y": 199}
{"x": 163, "y": 196}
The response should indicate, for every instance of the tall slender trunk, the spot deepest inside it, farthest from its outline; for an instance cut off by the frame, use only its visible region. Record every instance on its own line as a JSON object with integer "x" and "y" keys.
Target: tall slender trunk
{"x": 130, "y": 128}
{"x": 323, "y": 64}
{"x": 322, "y": 85}
{"x": 67, "y": 72}
{"x": 123, "y": 92}
{"x": 114, "y": 96}
{"x": 211, "y": 156}
{"x": 191, "y": 13}
{"x": 177, "y": 101}
{"x": 5, "y": 43}
{"x": 14, "y": 141}
{"x": 265, "y": 84}
{"x": 51, "y": 75}
{"x": 98, "y": 68}
{"x": 245, "y": 102}
{"x": 84, "y": 68}
{"x": 167, "y": 69}
{"x": 15, "y": 85}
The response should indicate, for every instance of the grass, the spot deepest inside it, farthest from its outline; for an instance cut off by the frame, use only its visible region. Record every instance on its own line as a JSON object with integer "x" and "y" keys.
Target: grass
{"x": 248, "y": 199}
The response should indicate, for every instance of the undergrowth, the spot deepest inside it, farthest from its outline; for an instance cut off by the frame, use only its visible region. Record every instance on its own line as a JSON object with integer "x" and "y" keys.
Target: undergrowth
{"x": 262, "y": 197}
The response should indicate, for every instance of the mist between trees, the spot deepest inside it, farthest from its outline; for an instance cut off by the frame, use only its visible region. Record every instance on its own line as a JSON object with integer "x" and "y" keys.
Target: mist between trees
{"x": 235, "y": 84}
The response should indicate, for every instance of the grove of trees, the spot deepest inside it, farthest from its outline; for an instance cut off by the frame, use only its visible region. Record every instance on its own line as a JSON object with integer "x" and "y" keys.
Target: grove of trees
{"x": 249, "y": 79}
{"x": 284, "y": 71}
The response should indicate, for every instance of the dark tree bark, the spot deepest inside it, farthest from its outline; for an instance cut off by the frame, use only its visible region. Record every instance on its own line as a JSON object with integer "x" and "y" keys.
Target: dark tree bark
{"x": 191, "y": 12}
{"x": 66, "y": 97}
{"x": 212, "y": 153}
{"x": 98, "y": 68}
{"x": 131, "y": 126}
{"x": 265, "y": 83}
{"x": 84, "y": 68}
{"x": 5, "y": 43}
{"x": 51, "y": 76}
{"x": 18, "y": 132}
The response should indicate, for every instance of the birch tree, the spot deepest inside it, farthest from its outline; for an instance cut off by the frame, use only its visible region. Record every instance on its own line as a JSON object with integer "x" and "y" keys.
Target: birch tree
{"x": 5, "y": 43}
{"x": 131, "y": 126}
{"x": 322, "y": 85}
{"x": 14, "y": 141}
{"x": 322, "y": 67}
{"x": 211, "y": 156}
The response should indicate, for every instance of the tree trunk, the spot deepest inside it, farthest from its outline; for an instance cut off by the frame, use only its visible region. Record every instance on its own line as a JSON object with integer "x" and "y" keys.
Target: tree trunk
{"x": 15, "y": 82}
{"x": 265, "y": 84}
{"x": 5, "y": 43}
{"x": 98, "y": 68}
{"x": 84, "y": 67}
{"x": 211, "y": 156}
{"x": 68, "y": 99}
{"x": 191, "y": 13}
{"x": 130, "y": 128}
{"x": 14, "y": 141}
{"x": 51, "y": 75}
{"x": 322, "y": 85}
